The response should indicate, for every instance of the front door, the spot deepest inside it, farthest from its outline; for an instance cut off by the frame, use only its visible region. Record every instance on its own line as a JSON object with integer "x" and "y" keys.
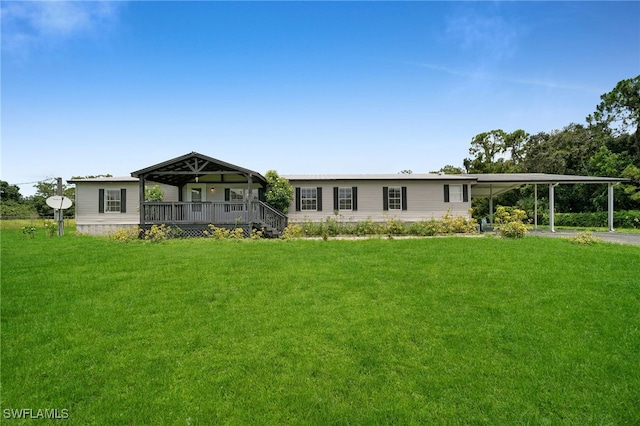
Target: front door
{"x": 196, "y": 195}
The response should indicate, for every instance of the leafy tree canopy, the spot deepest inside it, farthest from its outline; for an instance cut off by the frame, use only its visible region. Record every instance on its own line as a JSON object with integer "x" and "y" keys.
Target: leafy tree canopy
{"x": 153, "y": 194}
{"x": 450, "y": 170}
{"x": 279, "y": 191}
{"x": 9, "y": 192}
{"x": 619, "y": 110}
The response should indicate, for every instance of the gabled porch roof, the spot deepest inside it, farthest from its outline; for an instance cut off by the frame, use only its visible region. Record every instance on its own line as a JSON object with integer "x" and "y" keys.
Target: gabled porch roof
{"x": 186, "y": 168}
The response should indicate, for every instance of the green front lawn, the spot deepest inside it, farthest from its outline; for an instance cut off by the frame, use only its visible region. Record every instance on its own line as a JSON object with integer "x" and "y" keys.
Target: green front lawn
{"x": 416, "y": 331}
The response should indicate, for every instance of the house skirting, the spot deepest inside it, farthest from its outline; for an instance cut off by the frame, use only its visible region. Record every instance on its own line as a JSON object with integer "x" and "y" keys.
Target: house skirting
{"x": 101, "y": 229}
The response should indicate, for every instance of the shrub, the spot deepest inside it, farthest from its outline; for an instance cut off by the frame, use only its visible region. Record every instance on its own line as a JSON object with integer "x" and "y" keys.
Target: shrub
{"x": 621, "y": 219}
{"x": 29, "y": 231}
{"x": 293, "y": 231}
{"x": 457, "y": 224}
{"x": 217, "y": 233}
{"x": 153, "y": 194}
{"x": 126, "y": 234}
{"x": 584, "y": 238}
{"x": 255, "y": 234}
{"x": 51, "y": 228}
{"x": 513, "y": 230}
{"x": 236, "y": 234}
{"x": 279, "y": 191}
{"x": 367, "y": 227}
{"x": 157, "y": 233}
{"x": 311, "y": 228}
{"x": 510, "y": 222}
{"x": 426, "y": 228}
{"x": 393, "y": 226}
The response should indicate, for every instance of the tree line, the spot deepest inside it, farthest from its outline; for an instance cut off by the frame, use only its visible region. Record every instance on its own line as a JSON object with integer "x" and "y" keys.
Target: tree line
{"x": 607, "y": 144}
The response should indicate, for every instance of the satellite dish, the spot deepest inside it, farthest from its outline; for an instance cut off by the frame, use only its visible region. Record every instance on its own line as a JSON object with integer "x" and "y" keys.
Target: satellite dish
{"x": 59, "y": 202}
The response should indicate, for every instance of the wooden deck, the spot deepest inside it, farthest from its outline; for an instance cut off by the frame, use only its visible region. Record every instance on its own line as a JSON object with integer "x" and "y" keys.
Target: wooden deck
{"x": 225, "y": 214}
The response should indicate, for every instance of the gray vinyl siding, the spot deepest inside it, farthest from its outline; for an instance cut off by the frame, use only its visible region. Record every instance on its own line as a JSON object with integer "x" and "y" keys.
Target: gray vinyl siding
{"x": 87, "y": 196}
{"x": 425, "y": 200}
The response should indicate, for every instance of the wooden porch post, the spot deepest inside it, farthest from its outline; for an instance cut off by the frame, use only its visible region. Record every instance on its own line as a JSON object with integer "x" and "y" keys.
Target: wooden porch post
{"x": 250, "y": 200}
{"x": 141, "y": 190}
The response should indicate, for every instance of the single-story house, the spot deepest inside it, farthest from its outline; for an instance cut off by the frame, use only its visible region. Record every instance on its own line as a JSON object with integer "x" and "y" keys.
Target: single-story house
{"x": 201, "y": 190}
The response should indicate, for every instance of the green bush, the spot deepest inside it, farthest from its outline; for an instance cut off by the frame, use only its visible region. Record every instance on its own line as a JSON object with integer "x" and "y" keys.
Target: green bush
{"x": 393, "y": 226}
{"x": 621, "y": 219}
{"x": 426, "y": 228}
{"x": 509, "y": 222}
{"x": 584, "y": 238}
{"x": 126, "y": 234}
{"x": 157, "y": 233}
{"x": 367, "y": 227}
{"x": 457, "y": 224}
{"x": 330, "y": 227}
{"x": 293, "y": 231}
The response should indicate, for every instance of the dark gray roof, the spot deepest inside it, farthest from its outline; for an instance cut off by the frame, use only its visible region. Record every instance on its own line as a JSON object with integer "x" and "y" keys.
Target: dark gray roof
{"x": 526, "y": 178}
{"x": 400, "y": 176}
{"x": 184, "y": 169}
{"x": 111, "y": 179}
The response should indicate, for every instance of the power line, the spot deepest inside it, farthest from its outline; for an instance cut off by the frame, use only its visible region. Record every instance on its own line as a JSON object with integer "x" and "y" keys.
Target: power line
{"x": 35, "y": 181}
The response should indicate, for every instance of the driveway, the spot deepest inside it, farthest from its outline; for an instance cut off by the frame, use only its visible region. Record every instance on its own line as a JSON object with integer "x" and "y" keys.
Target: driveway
{"x": 612, "y": 237}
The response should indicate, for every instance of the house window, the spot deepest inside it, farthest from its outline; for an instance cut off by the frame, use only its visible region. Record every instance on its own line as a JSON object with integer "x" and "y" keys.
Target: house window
{"x": 112, "y": 200}
{"x": 236, "y": 195}
{"x": 309, "y": 199}
{"x": 455, "y": 193}
{"x": 196, "y": 197}
{"x": 345, "y": 199}
{"x": 395, "y": 198}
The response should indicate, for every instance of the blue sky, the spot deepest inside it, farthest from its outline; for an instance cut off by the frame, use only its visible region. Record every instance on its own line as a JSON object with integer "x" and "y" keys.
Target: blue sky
{"x": 299, "y": 87}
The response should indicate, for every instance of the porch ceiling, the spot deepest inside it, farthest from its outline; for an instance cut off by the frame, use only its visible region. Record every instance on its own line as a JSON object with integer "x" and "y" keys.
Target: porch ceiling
{"x": 186, "y": 168}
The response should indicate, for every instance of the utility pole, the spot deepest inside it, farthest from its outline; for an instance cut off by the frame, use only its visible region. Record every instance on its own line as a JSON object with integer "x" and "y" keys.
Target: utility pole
{"x": 60, "y": 212}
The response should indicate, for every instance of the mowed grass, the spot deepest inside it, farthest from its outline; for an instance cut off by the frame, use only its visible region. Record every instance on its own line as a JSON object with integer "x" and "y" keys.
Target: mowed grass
{"x": 416, "y": 331}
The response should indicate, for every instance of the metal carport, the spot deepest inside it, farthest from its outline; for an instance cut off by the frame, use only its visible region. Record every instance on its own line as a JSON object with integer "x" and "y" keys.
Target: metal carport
{"x": 491, "y": 185}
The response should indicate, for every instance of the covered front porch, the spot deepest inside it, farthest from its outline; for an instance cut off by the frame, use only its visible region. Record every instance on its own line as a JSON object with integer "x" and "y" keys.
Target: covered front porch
{"x": 209, "y": 191}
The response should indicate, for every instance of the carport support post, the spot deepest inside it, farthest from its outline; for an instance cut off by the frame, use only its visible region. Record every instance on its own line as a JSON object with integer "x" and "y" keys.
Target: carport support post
{"x": 611, "y": 208}
{"x": 552, "y": 226}
{"x": 535, "y": 207}
{"x": 491, "y": 205}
